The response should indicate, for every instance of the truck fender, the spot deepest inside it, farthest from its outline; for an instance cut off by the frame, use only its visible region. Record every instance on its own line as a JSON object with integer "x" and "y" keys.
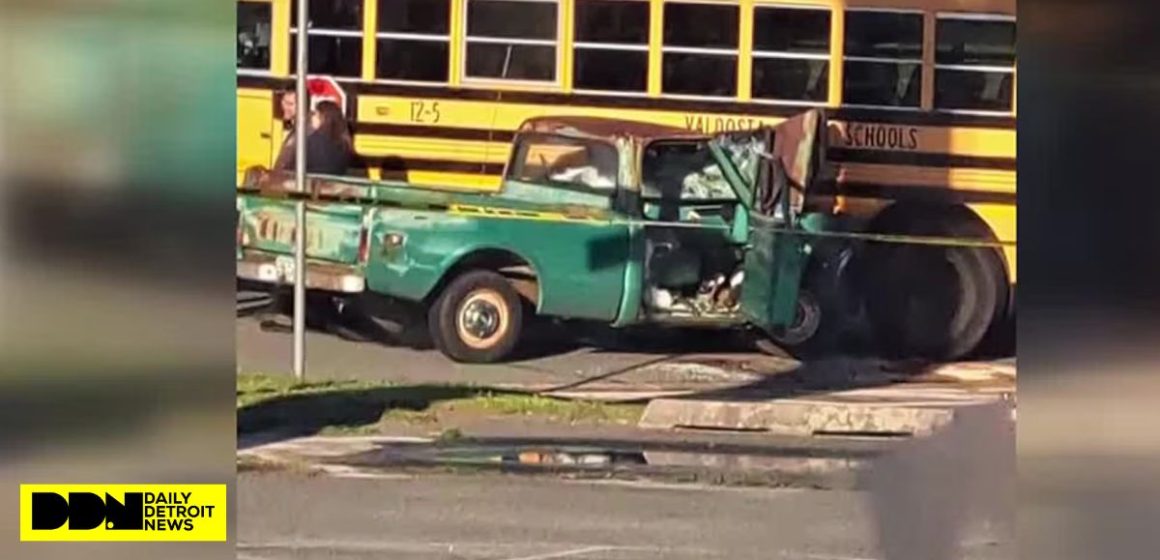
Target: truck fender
{"x": 486, "y": 257}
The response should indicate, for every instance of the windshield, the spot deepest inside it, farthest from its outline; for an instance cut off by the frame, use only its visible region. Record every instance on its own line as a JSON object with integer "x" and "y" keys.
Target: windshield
{"x": 683, "y": 170}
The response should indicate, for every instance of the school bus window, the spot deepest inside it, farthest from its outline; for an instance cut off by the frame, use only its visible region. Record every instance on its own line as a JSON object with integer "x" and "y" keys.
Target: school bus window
{"x": 700, "y": 49}
{"x": 791, "y": 54}
{"x": 413, "y": 40}
{"x": 254, "y": 35}
{"x": 611, "y": 45}
{"x": 335, "y": 34}
{"x": 883, "y": 58}
{"x": 974, "y": 62}
{"x": 343, "y": 15}
{"x": 512, "y": 39}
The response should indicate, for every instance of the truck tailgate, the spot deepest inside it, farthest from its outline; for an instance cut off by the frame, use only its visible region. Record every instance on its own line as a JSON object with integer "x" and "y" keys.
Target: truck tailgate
{"x": 334, "y": 232}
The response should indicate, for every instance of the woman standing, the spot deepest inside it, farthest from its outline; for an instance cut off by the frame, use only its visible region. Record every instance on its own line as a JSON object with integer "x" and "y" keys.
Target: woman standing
{"x": 329, "y": 151}
{"x": 329, "y": 148}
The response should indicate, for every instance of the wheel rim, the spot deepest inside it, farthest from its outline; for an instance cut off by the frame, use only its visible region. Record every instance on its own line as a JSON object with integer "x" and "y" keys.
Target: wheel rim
{"x": 482, "y": 319}
{"x": 807, "y": 318}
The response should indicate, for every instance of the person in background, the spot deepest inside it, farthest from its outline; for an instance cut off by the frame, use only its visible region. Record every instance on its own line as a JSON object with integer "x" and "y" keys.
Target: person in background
{"x": 329, "y": 149}
{"x": 259, "y": 174}
{"x": 289, "y": 106}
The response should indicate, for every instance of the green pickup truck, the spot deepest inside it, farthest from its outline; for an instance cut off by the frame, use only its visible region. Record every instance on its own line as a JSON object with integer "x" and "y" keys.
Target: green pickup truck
{"x": 597, "y": 219}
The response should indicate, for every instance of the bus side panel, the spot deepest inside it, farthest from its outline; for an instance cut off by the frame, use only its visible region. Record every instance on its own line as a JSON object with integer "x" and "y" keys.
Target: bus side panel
{"x": 1001, "y": 219}
{"x": 255, "y": 129}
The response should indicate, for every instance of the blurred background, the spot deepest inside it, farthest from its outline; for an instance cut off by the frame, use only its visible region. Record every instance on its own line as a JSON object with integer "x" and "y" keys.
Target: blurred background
{"x": 116, "y": 282}
{"x": 1088, "y": 354}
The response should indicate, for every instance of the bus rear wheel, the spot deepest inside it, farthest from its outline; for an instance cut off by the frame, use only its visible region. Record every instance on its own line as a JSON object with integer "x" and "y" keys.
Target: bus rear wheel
{"x": 932, "y": 302}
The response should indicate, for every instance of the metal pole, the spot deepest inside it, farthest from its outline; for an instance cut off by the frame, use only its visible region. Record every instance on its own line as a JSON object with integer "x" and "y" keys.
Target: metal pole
{"x": 300, "y": 126}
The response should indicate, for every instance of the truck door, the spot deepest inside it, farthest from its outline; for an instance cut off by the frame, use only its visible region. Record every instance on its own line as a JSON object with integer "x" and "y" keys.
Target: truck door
{"x": 255, "y": 106}
{"x": 783, "y": 162}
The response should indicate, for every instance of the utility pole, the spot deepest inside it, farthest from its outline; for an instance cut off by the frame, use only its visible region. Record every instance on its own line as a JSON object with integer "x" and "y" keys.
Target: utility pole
{"x": 300, "y": 125}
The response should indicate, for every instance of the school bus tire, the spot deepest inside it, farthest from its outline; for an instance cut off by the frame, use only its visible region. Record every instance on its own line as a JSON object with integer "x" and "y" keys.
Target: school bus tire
{"x": 477, "y": 318}
{"x": 967, "y": 285}
{"x": 1000, "y": 340}
{"x": 936, "y": 314}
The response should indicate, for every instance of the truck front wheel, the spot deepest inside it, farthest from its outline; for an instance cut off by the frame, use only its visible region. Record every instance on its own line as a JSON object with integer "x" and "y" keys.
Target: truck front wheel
{"x": 477, "y": 318}
{"x": 800, "y": 338}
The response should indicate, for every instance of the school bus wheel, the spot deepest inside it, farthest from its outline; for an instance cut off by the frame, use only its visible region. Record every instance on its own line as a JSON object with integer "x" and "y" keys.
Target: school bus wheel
{"x": 932, "y": 302}
{"x": 477, "y": 318}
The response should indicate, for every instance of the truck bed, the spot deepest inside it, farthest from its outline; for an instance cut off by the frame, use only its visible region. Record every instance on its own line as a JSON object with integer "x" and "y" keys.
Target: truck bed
{"x": 340, "y": 211}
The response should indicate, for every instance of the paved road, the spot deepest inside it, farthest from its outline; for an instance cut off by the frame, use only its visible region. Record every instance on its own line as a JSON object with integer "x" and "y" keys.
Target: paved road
{"x": 572, "y": 360}
{"x": 486, "y": 517}
{"x": 329, "y": 356}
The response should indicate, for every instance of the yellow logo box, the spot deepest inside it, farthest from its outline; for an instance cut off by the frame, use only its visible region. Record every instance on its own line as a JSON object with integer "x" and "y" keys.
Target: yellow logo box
{"x": 123, "y": 512}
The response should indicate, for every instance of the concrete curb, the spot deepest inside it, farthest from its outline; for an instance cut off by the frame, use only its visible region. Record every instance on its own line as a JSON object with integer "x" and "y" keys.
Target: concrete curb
{"x": 313, "y": 450}
{"x": 969, "y": 372}
{"x": 889, "y": 415}
{"x": 729, "y": 462}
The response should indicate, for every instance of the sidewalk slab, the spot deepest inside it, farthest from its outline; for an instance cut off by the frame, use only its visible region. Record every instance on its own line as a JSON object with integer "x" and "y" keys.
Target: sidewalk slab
{"x": 996, "y": 371}
{"x": 906, "y": 410}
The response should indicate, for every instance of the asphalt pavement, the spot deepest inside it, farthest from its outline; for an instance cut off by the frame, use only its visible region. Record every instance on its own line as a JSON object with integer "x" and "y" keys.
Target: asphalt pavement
{"x": 508, "y": 517}
{"x": 568, "y": 364}
{"x": 486, "y": 515}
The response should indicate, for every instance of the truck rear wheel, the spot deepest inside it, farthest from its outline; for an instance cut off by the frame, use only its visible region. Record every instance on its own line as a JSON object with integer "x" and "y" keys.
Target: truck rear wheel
{"x": 477, "y": 318}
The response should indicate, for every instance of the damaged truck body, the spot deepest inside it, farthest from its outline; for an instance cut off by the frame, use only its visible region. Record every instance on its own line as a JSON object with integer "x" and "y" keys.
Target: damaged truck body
{"x": 604, "y": 220}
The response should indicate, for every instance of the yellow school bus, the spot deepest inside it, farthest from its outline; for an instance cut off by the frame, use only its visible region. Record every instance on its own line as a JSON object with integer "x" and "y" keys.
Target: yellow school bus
{"x": 921, "y": 94}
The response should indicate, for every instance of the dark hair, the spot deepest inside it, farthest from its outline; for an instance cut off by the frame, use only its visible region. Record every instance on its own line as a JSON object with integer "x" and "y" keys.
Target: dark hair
{"x": 289, "y": 122}
{"x": 334, "y": 124}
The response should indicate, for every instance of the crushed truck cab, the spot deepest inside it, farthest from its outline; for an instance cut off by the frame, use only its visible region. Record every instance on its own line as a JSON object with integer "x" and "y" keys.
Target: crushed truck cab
{"x": 597, "y": 219}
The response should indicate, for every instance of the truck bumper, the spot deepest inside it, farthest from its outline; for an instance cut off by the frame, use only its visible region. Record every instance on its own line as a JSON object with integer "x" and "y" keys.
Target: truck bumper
{"x": 272, "y": 269}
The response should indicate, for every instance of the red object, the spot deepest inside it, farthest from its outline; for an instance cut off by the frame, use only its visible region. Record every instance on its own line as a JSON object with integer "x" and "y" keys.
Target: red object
{"x": 364, "y": 246}
{"x": 326, "y": 89}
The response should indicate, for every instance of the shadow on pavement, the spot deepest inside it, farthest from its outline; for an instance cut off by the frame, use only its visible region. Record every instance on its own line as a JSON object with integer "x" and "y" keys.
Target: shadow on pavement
{"x": 309, "y": 412}
{"x": 735, "y": 350}
{"x": 544, "y": 338}
{"x": 325, "y": 315}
